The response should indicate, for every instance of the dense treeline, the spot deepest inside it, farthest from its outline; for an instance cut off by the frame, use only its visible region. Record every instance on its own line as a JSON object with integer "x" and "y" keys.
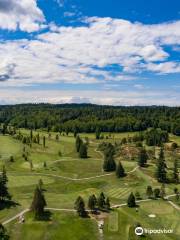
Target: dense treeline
{"x": 88, "y": 118}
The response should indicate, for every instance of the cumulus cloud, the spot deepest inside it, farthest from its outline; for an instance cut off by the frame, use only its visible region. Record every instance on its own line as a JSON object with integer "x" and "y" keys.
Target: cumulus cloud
{"x": 85, "y": 54}
{"x": 21, "y": 14}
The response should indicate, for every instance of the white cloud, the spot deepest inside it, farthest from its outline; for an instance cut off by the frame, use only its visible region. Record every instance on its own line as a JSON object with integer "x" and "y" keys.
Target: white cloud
{"x": 83, "y": 54}
{"x": 145, "y": 97}
{"x": 22, "y": 14}
{"x": 166, "y": 67}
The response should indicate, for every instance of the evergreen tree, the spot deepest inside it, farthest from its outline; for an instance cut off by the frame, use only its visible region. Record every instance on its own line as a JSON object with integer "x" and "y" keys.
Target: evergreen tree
{"x": 11, "y": 159}
{"x": 137, "y": 195}
{"x": 45, "y": 165}
{"x": 80, "y": 207}
{"x": 92, "y": 202}
{"x": 101, "y": 201}
{"x": 155, "y": 137}
{"x": 175, "y": 172}
{"x": 83, "y": 150}
{"x": 57, "y": 137}
{"x": 44, "y": 141}
{"x": 161, "y": 167}
{"x": 156, "y": 192}
{"x": 176, "y": 191}
{"x": 38, "y": 203}
{"x": 78, "y": 143}
{"x": 31, "y": 135}
{"x": 131, "y": 202}
{"x": 123, "y": 141}
{"x": 31, "y": 165}
{"x": 149, "y": 192}
{"x": 109, "y": 162}
{"x": 4, "y": 194}
{"x": 120, "y": 172}
{"x": 107, "y": 203}
{"x": 98, "y": 133}
{"x": 75, "y": 131}
{"x": 162, "y": 191}
{"x": 40, "y": 185}
{"x": 4, "y": 129}
{"x": 3, "y": 233}
{"x": 142, "y": 158}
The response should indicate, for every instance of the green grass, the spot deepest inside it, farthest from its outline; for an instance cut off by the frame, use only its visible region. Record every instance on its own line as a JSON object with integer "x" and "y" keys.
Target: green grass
{"x": 62, "y": 226}
{"x": 166, "y": 217}
{"x": 113, "y": 219}
{"x": 9, "y": 147}
{"x": 62, "y": 193}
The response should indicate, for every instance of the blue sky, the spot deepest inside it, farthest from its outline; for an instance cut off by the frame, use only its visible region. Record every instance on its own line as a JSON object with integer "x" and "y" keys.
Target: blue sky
{"x": 104, "y": 51}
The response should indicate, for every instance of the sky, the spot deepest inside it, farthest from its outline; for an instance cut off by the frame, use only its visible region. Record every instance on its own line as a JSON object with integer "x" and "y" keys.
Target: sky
{"x": 114, "y": 52}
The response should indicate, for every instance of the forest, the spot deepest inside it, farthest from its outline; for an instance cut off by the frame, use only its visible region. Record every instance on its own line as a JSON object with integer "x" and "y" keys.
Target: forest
{"x": 90, "y": 118}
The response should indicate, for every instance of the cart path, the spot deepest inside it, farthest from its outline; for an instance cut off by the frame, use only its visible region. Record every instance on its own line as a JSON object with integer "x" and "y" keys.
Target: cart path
{"x": 73, "y": 210}
{"x": 77, "y": 179}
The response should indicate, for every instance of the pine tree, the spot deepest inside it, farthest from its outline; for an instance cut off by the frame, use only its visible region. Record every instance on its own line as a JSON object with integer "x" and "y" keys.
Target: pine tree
{"x": 109, "y": 162}
{"x": 92, "y": 202}
{"x": 31, "y": 165}
{"x": 161, "y": 167}
{"x": 142, "y": 158}
{"x": 101, "y": 201}
{"x": 38, "y": 203}
{"x": 120, "y": 172}
{"x": 40, "y": 185}
{"x": 45, "y": 165}
{"x": 98, "y": 133}
{"x": 156, "y": 192}
{"x": 11, "y": 159}
{"x": 44, "y": 141}
{"x": 175, "y": 172}
{"x": 149, "y": 192}
{"x": 78, "y": 143}
{"x": 80, "y": 207}
{"x": 107, "y": 203}
{"x": 176, "y": 191}
{"x": 162, "y": 191}
{"x": 31, "y": 135}
{"x": 137, "y": 195}
{"x": 4, "y": 194}
{"x": 3, "y": 233}
{"x": 75, "y": 131}
{"x": 83, "y": 150}
{"x": 131, "y": 202}
{"x": 57, "y": 137}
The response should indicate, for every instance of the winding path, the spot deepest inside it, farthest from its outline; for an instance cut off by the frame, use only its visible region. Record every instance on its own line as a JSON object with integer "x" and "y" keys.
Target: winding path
{"x": 73, "y": 210}
{"x": 78, "y": 179}
{"x": 81, "y": 179}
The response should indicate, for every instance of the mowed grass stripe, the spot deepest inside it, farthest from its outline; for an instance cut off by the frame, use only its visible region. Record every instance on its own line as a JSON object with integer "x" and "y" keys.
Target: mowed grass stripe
{"x": 120, "y": 195}
{"x": 119, "y": 192}
{"x": 126, "y": 193}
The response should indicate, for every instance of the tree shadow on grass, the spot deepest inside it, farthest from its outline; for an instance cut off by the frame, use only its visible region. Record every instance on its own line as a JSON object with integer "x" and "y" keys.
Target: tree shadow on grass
{"x": 47, "y": 216}
{"x": 8, "y": 204}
